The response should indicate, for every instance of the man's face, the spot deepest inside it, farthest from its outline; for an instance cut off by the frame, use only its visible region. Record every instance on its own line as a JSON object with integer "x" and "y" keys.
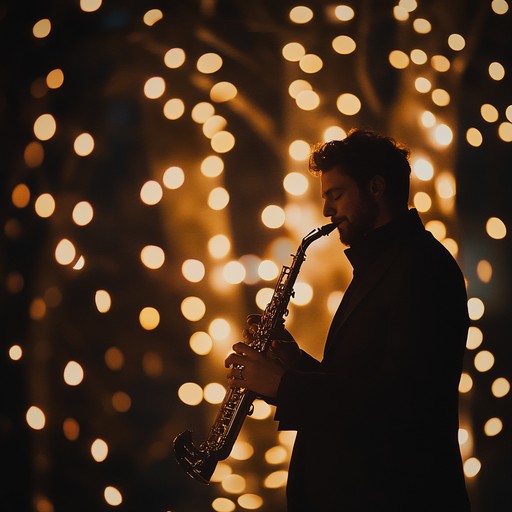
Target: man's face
{"x": 355, "y": 210}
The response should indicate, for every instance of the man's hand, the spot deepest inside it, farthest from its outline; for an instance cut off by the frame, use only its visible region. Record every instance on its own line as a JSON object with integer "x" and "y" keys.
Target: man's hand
{"x": 260, "y": 373}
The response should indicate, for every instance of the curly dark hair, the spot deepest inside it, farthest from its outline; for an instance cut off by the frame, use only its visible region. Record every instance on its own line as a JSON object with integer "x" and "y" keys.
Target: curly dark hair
{"x": 362, "y": 154}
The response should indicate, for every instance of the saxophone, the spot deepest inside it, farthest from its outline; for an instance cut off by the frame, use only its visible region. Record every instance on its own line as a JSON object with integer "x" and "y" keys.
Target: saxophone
{"x": 199, "y": 463}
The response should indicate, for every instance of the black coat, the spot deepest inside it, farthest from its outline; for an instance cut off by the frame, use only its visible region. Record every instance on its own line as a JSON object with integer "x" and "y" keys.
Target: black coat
{"x": 377, "y": 418}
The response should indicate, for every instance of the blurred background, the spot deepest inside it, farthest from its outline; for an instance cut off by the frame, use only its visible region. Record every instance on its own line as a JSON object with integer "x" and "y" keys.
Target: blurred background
{"x": 154, "y": 182}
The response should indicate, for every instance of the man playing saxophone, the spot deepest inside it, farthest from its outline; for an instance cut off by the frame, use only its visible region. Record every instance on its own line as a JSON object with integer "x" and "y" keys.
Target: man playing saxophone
{"x": 377, "y": 417}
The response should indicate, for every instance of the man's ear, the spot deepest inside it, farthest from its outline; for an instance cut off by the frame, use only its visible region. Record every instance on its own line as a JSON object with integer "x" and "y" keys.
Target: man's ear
{"x": 377, "y": 185}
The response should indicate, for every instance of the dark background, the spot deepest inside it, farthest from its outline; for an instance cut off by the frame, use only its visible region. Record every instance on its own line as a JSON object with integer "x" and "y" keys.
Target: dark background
{"x": 107, "y": 56}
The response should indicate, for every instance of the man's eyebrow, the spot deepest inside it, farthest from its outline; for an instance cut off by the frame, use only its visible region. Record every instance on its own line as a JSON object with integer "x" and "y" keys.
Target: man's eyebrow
{"x": 330, "y": 191}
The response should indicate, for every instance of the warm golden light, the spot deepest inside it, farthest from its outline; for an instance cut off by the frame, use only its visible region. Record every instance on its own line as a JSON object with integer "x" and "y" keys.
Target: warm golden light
{"x": 223, "y": 91}
{"x": 273, "y": 216}
{"x": 301, "y": 14}
{"x": 348, "y": 104}
{"x": 90, "y": 5}
{"x": 152, "y": 16}
{"x": 484, "y": 361}
{"x": 151, "y": 192}
{"x": 45, "y": 205}
{"x": 99, "y": 450}
{"x": 45, "y": 127}
{"x": 293, "y": 52}
{"x": 212, "y": 166}
{"x": 201, "y": 343}
{"x": 113, "y": 496}
{"x": 496, "y": 228}
{"x": 35, "y": 418}
{"x": 500, "y": 387}
{"x": 149, "y": 318}
{"x": 209, "y": 63}
{"x": 219, "y": 246}
{"x": 193, "y": 308}
{"x": 190, "y": 393}
{"x": 73, "y": 373}
{"x": 83, "y": 213}
{"x": 103, "y": 301}
{"x": 42, "y": 28}
{"x": 193, "y": 270}
{"x": 174, "y": 108}
{"x": 154, "y": 87}
{"x": 311, "y": 63}
{"x": 65, "y": 252}
{"x": 174, "y": 58}
{"x": 218, "y": 198}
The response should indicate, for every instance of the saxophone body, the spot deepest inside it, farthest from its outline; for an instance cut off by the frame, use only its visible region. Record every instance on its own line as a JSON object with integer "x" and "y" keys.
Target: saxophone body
{"x": 200, "y": 462}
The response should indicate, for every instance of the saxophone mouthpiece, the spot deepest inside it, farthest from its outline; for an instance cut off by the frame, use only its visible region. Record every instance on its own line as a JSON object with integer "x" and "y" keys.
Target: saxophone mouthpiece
{"x": 329, "y": 228}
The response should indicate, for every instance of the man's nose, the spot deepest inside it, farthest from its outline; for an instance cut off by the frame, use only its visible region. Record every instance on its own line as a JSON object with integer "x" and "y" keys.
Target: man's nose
{"x": 328, "y": 210}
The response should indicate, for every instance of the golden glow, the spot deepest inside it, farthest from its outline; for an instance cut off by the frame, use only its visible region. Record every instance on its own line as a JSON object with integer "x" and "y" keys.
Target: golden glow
{"x": 223, "y": 91}
{"x": 90, "y": 5}
{"x": 299, "y": 150}
{"x": 500, "y": 387}
{"x": 73, "y": 373}
{"x": 20, "y": 196}
{"x": 250, "y": 501}
{"x": 298, "y": 86}
{"x": 399, "y": 59}
{"x": 99, "y": 450}
{"x": 151, "y": 192}
{"x": 213, "y": 125}
{"x": 42, "y": 28}
{"x": 82, "y": 213}
{"x": 202, "y": 111}
{"x": 499, "y": 6}
{"x": 193, "y": 308}
{"x": 261, "y": 411}
{"x": 84, "y": 144}
{"x": 242, "y": 450}
{"x": 419, "y": 57}
{"x": 422, "y": 26}
{"x": 295, "y": 183}
{"x": 263, "y": 297}
{"x": 273, "y": 216}
{"x": 484, "y": 271}
{"x": 190, "y": 393}
{"x": 103, "y": 301}
{"x": 422, "y": 201}
{"x": 476, "y": 308}
{"x": 303, "y": 294}
{"x": 445, "y": 185}
{"x": 219, "y": 246}
{"x": 441, "y": 97}
{"x": 311, "y": 63}
{"x": 437, "y": 228}
{"x": 276, "y": 455}
{"x": 114, "y": 358}
{"x": 276, "y": 479}
{"x": 505, "y": 132}
{"x": 214, "y": 393}
{"x": 400, "y": 14}
{"x": 37, "y": 309}
{"x": 219, "y": 329}
{"x": 496, "y": 71}
{"x": 456, "y": 42}
{"x": 65, "y": 252}
{"x": 152, "y": 16}
{"x": 223, "y": 505}
{"x": 496, "y": 228}
{"x": 154, "y": 87}
{"x": 348, "y": 104}
{"x": 234, "y": 484}
{"x": 45, "y": 127}
{"x": 112, "y": 496}
{"x": 44, "y": 205}
{"x": 35, "y": 418}
{"x": 301, "y": 14}
{"x": 474, "y": 338}
{"x": 174, "y": 58}
{"x": 209, "y": 63}
{"x": 15, "y": 352}
{"x": 489, "y": 113}
{"x": 268, "y": 270}
{"x": 422, "y": 169}
{"x": 212, "y": 166}
{"x": 443, "y": 135}
{"x": 222, "y": 142}
{"x": 152, "y": 364}
{"x": 493, "y": 427}
{"x": 121, "y": 401}
{"x": 484, "y": 361}
{"x": 193, "y": 270}
{"x": 307, "y": 100}
{"x": 472, "y": 467}
{"x": 174, "y": 108}
{"x": 149, "y": 318}
{"x": 465, "y": 383}
{"x": 218, "y": 198}
{"x": 233, "y": 272}
{"x": 344, "y": 12}
{"x": 422, "y": 84}
{"x": 474, "y": 137}
{"x": 343, "y": 45}
{"x": 55, "y": 78}
{"x": 71, "y": 429}
{"x": 440, "y": 63}
{"x": 334, "y": 133}
{"x": 34, "y": 154}
{"x": 293, "y": 52}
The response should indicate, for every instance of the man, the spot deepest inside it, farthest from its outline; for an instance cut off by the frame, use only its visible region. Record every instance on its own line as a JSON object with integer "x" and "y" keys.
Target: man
{"x": 377, "y": 418}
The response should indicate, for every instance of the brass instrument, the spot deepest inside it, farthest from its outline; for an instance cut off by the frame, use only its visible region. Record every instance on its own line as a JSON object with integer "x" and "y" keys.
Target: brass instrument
{"x": 200, "y": 463}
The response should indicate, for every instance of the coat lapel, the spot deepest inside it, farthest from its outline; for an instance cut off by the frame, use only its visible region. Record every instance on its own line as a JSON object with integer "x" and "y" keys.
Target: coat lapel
{"x": 356, "y": 292}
